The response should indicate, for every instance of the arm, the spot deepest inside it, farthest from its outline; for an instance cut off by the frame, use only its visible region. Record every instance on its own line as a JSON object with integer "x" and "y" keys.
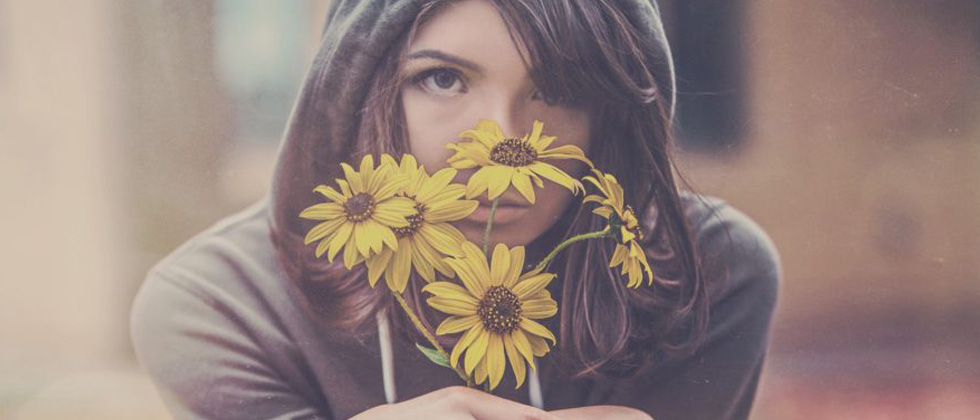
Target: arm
{"x": 204, "y": 362}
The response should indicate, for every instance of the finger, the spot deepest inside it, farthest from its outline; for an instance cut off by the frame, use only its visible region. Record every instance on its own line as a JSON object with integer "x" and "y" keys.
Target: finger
{"x": 612, "y": 412}
{"x": 483, "y": 406}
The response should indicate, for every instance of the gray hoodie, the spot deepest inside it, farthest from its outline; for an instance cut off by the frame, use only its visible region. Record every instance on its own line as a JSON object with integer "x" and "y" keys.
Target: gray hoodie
{"x": 224, "y": 336}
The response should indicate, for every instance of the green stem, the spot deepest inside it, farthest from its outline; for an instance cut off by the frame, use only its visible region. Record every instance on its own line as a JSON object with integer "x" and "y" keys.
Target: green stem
{"x": 428, "y": 336}
{"x": 598, "y": 234}
{"x": 486, "y": 234}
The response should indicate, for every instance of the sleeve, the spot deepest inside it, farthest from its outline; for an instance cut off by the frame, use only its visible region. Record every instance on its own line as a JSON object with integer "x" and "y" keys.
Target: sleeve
{"x": 718, "y": 381}
{"x": 204, "y": 362}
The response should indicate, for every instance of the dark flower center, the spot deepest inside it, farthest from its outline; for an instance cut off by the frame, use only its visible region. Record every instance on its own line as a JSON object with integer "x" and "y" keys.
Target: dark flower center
{"x": 359, "y": 207}
{"x": 635, "y": 229}
{"x": 500, "y": 310}
{"x": 414, "y": 222}
{"x": 513, "y": 152}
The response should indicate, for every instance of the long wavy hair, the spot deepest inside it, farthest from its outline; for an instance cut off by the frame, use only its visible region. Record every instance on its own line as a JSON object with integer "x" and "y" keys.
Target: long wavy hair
{"x": 591, "y": 53}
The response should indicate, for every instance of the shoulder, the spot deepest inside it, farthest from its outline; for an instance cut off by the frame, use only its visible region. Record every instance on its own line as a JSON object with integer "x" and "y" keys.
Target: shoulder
{"x": 228, "y": 259}
{"x": 224, "y": 281}
{"x": 737, "y": 256}
{"x": 214, "y": 324}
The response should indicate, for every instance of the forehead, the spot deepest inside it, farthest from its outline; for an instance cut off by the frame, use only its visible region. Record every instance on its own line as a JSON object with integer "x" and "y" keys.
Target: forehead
{"x": 472, "y": 29}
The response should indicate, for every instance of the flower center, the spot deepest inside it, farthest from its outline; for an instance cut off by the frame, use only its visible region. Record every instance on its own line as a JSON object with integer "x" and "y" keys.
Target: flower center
{"x": 631, "y": 217}
{"x": 359, "y": 207}
{"x": 513, "y": 152}
{"x": 500, "y": 310}
{"x": 414, "y": 222}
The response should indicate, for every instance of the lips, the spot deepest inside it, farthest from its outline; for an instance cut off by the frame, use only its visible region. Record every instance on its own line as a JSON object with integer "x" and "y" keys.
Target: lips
{"x": 507, "y": 212}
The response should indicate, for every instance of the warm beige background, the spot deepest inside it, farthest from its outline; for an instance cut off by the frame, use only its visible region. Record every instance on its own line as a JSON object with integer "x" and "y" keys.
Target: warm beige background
{"x": 862, "y": 162}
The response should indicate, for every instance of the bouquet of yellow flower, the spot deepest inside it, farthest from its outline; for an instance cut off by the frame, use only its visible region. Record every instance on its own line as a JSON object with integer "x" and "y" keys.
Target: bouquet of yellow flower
{"x": 396, "y": 218}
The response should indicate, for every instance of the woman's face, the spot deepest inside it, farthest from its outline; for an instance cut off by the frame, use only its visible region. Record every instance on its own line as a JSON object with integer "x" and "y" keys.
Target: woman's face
{"x": 461, "y": 67}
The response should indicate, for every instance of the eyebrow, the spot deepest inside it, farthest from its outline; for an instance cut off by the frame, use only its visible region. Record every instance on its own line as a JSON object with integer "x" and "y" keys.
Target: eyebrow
{"x": 439, "y": 55}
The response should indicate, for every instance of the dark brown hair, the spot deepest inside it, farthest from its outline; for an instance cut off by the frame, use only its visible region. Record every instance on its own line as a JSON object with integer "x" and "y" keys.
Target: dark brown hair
{"x": 595, "y": 57}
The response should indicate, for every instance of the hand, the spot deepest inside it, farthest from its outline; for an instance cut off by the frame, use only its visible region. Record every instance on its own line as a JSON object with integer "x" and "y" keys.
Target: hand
{"x": 612, "y": 412}
{"x": 456, "y": 403}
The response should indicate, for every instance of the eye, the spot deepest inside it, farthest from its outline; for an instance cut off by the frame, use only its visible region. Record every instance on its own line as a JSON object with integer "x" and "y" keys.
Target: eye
{"x": 566, "y": 102}
{"x": 441, "y": 81}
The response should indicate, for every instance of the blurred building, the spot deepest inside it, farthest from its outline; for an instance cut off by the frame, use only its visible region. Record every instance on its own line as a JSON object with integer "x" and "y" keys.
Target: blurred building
{"x": 849, "y": 130}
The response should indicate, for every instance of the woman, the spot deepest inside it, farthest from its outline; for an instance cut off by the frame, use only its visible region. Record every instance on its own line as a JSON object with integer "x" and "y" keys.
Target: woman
{"x": 243, "y": 322}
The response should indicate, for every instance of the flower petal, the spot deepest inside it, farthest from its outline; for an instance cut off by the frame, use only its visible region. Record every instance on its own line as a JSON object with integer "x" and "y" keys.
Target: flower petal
{"x": 367, "y": 172}
{"x": 515, "y": 359}
{"x": 523, "y": 346}
{"x": 452, "y": 211}
{"x": 323, "y": 211}
{"x": 498, "y": 179}
{"x": 421, "y": 261}
{"x": 499, "y": 264}
{"x": 480, "y": 373}
{"x": 522, "y": 183}
{"x": 539, "y": 308}
{"x": 478, "y": 182}
{"x": 353, "y": 178}
{"x": 330, "y": 193}
{"x": 452, "y": 306}
{"x": 388, "y": 237}
{"x": 476, "y": 351}
{"x": 516, "y": 266}
{"x": 536, "y": 128}
{"x": 567, "y": 151}
{"x": 537, "y": 329}
{"x": 477, "y": 260}
{"x": 496, "y": 360}
{"x": 351, "y": 256}
{"x": 531, "y": 285}
{"x": 450, "y": 193}
{"x": 538, "y": 345}
{"x": 455, "y": 324}
{"x": 464, "y": 273}
{"x": 432, "y": 257}
{"x": 464, "y": 342}
{"x": 448, "y": 290}
{"x": 556, "y": 175}
{"x": 339, "y": 239}
{"x": 435, "y": 184}
{"x": 619, "y": 255}
{"x": 443, "y": 237}
{"x": 377, "y": 264}
{"x": 401, "y": 267}
{"x": 323, "y": 229}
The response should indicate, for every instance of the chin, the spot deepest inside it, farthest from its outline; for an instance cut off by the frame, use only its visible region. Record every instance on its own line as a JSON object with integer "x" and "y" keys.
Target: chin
{"x": 510, "y": 235}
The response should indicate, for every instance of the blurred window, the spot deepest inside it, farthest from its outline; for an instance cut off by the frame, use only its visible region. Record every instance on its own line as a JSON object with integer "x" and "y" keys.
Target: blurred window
{"x": 261, "y": 49}
{"x": 707, "y": 40}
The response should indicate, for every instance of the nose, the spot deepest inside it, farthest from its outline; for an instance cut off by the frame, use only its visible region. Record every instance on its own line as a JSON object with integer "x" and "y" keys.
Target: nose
{"x": 511, "y": 115}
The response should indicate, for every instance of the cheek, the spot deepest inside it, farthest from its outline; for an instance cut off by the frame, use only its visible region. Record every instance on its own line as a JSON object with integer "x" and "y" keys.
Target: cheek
{"x": 570, "y": 125}
{"x": 430, "y": 126}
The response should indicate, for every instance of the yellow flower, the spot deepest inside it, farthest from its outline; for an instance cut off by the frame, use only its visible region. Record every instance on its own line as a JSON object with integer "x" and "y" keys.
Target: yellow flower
{"x": 496, "y": 307}
{"x": 428, "y": 237}
{"x": 628, "y": 251}
{"x": 361, "y": 216}
{"x": 511, "y": 161}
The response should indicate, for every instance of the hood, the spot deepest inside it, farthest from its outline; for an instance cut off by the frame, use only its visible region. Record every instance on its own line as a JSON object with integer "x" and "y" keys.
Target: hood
{"x": 324, "y": 122}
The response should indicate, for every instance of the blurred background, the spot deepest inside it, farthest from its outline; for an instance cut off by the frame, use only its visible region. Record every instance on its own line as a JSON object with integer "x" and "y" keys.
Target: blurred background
{"x": 850, "y": 131}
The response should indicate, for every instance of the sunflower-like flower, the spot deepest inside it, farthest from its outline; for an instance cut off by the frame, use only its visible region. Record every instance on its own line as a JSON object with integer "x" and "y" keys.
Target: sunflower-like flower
{"x": 428, "y": 237}
{"x": 511, "y": 161}
{"x": 360, "y": 217}
{"x": 496, "y": 307}
{"x": 626, "y": 228}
